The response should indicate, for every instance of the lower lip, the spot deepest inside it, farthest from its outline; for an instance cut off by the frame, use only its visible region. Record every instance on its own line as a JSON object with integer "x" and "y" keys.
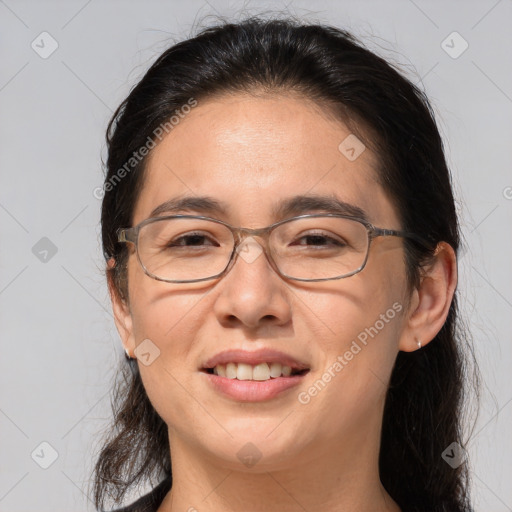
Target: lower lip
{"x": 253, "y": 390}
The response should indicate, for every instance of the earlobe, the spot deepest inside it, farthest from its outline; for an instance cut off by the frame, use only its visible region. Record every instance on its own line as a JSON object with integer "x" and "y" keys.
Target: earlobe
{"x": 122, "y": 314}
{"x": 431, "y": 300}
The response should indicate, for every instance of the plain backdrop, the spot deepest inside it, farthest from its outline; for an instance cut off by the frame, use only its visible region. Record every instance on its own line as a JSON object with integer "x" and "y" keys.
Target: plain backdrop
{"x": 65, "y": 67}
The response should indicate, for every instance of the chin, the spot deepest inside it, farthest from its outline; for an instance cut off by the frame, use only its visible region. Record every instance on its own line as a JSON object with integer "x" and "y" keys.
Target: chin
{"x": 258, "y": 447}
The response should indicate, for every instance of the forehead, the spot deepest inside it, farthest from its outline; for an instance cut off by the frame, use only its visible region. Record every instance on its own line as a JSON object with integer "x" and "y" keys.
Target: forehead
{"x": 252, "y": 153}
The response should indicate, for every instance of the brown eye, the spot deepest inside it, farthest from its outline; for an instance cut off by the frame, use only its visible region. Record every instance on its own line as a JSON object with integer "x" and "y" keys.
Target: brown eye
{"x": 192, "y": 240}
{"x": 319, "y": 240}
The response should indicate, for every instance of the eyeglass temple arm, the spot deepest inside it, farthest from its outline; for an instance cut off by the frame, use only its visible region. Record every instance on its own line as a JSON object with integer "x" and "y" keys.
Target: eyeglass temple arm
{"x": 126, "y": 235}
{"x": 403, "y": 234}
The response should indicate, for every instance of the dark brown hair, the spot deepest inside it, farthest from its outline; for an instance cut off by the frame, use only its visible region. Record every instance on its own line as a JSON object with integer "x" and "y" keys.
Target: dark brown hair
{"x": 426, "y": 398}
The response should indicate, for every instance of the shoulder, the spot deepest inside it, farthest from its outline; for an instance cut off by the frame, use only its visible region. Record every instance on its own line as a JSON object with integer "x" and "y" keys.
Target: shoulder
{"x": 151, "y": 501}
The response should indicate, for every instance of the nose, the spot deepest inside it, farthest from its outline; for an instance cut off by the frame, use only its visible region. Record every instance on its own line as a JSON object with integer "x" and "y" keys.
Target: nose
{"x": 251, "y": 293}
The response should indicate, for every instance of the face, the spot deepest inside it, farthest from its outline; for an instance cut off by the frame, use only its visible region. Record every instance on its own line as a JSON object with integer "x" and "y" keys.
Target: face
{"x": 252, "y": 154}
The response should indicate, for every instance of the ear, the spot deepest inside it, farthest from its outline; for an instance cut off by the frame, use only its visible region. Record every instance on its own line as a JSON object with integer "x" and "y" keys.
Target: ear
{"x": 430, "y": 302}
{"x": 122, "y": 313}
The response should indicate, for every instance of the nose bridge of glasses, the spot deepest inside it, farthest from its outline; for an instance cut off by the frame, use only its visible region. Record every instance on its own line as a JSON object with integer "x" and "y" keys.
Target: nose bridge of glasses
{"x": 241, "y": 234}
{"x": 248, "y": 248}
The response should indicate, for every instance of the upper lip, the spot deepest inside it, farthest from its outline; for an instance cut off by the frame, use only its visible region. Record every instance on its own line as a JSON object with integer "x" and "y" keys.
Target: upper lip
{"x": 253, "y": 358}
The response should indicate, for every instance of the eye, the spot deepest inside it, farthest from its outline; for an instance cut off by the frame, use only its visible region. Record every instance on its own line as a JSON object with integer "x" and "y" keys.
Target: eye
{"x": 319, "y": 240}
{"x": 192, "y": 240}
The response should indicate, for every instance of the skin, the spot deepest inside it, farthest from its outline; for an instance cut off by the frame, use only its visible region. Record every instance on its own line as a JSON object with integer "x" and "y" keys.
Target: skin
{"x": 322, "y": 455}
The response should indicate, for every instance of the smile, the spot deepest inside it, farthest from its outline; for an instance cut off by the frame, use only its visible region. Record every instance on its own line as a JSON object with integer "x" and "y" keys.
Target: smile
{"x": 253, "y": 376}
{"x": 259, "y": 372}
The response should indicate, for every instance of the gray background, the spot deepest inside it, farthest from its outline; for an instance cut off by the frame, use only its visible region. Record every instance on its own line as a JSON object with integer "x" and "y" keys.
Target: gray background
{"x": 59, "y": 344}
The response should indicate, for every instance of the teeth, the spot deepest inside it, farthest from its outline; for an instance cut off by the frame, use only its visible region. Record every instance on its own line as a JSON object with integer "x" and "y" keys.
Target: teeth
{"x": 230, "y": 370}
{"x": 275, "y": 370}
{"x": 244, "y": 372}
{"x": 261, "y": 372}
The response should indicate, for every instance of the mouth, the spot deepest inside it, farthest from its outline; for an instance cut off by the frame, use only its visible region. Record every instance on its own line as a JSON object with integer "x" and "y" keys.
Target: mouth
{"x": 260, "y": 372}
{"x": 253, "y": 376}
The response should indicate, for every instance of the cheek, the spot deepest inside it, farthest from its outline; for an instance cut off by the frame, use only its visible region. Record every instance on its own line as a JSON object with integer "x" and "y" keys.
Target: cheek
{"x": 344, "y": 310}
{"x": 362, "y": 335}
{"x": 171, "y": 323}
{"x": 166, "y": 320}
{"x": 358, "y": 324}
{"x": 160, "y": 311}
{"x": 356, "y": 357}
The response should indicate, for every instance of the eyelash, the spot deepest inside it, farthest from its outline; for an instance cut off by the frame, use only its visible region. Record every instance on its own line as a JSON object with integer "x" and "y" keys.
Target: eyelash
{"x": 311, "y": 235}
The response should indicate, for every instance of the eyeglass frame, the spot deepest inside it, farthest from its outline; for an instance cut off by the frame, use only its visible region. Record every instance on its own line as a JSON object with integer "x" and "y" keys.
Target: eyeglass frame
{"x": 240, "y": 234}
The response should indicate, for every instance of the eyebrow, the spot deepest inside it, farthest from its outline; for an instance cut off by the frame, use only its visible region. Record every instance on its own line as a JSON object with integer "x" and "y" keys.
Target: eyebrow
{"x": 290, "y": 207}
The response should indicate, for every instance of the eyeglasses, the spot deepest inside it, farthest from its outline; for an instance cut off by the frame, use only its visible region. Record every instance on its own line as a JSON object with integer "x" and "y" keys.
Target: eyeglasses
{"x": 313, "y": 247}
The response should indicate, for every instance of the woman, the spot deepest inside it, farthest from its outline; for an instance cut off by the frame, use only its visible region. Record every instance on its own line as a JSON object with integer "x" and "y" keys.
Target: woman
{"x": 311, "y": 360}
